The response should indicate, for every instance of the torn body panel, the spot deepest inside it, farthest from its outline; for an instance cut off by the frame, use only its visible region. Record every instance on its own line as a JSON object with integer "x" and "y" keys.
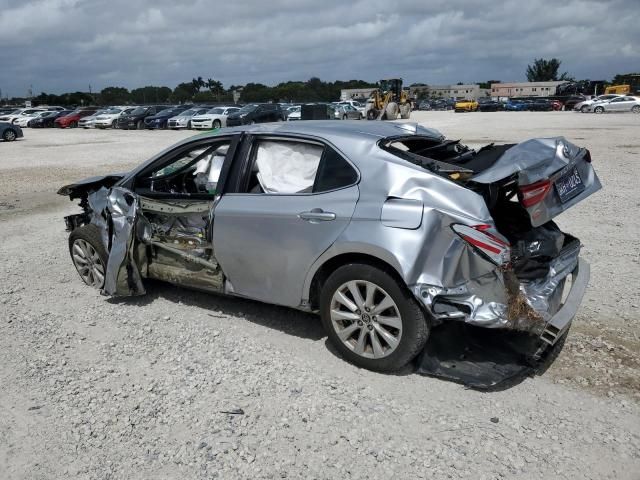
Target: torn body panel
{"x": 123, "y": 275}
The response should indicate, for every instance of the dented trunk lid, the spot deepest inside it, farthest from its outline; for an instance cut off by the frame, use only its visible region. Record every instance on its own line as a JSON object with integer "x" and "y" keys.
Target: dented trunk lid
{"x": 552, "y": 175}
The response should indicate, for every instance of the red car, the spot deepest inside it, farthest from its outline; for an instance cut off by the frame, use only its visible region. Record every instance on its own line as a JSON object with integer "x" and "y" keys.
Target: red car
{"x": 71, "y": 120}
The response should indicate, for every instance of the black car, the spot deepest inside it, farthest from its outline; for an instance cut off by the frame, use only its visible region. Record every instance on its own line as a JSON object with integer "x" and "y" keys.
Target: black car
{"x": 161, "y": 119}
{"x": 135, "y": 119}
{"x": 256, "y": 113}
{"x": 571, "y": 102}
{"x": 9, "y": 132}
{"x": 490, "y": 106}
{"x": 46, "y": 121}
{"x": 540, "y": 105}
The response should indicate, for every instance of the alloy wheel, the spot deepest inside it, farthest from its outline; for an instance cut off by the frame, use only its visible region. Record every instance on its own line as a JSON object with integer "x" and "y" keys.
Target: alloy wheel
{"x": 366, "y": 319}
{"x": 87, "y": 263}
{"x": 9, "y": 135}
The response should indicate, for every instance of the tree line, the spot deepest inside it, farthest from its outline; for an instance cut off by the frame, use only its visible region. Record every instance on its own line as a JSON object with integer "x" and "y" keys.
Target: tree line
{"x": 201, "y": 90}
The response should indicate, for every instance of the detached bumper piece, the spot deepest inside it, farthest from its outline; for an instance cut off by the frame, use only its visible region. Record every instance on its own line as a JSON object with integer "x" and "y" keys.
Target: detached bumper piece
{"x": 484, "y": 359}
{"x": 496, "y": 359}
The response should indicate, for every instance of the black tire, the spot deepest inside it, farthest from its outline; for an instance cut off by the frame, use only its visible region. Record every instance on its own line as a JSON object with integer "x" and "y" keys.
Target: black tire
{"x": 91, "y": 235}
{"x": 217, "y": 124}
{"x": 344, "y": 117}
{"x": 372, "y": 114}
{"x": 584, "y": 108}
{"x": 415, "y": 327}
{"x": 9, "y": 135}
{"x": 140, "y": 125}
{"x": 73, "y": 125}
{"x": 598, "y": 110}
{"x": 114, "y": 124}
{"x": 635, "y": 109}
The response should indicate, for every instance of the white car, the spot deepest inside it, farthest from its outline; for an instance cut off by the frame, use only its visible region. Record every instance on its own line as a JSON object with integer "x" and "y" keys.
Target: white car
{"x": 109, "y": 119}
{"x": 21, "y": 112}
{"x": 183, "y": 119}
{"x": 214, "y": 118}
{"x": 295, "y": 115}
{"x": 89, "y": 121}
{"x": 291, "y": 109}
{"x": 361, "y": 107}
{"x": 584, "y": 106}
{"x": 23, "y": 120}
{"x": 625, "y": 103}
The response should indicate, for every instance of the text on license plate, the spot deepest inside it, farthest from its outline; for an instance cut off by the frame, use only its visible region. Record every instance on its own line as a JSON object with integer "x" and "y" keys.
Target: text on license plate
{"x": 569, "y": 185}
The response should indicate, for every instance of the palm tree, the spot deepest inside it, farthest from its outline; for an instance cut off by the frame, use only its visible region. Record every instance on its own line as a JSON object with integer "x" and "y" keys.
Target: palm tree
{"x": 197, "y": 84}
{"x": 215, "y": 87}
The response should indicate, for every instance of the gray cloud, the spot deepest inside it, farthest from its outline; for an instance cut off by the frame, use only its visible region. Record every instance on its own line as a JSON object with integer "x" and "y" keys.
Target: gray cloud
{"x": 63, "y": 45}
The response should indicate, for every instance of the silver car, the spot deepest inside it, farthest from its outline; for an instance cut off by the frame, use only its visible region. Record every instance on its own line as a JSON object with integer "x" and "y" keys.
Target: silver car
{"x": 387, "y": 230}
{"x": 620, "y": 104}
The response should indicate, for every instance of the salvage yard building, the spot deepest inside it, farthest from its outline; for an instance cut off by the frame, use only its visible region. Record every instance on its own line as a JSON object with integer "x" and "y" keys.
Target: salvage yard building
{"x": 524, "y": 89}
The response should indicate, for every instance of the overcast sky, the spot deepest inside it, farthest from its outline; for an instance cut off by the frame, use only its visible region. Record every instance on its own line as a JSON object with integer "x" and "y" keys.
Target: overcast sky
{"x": 67, "y": 45}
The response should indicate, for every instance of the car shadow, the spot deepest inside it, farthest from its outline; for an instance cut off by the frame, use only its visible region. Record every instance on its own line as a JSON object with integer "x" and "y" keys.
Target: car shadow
{"x": 456, "y": 353}
{"x": 287, "y": 320}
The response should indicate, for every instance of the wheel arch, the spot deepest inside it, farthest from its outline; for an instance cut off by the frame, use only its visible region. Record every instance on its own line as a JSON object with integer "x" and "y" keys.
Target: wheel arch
{"x": 327, "y": 264}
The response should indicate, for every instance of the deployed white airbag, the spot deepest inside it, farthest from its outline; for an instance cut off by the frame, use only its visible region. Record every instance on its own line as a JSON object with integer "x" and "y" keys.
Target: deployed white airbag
{"x": 287, "y": 167}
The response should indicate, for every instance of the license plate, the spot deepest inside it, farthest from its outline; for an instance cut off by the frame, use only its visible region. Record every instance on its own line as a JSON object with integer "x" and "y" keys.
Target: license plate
{"x": 569, "y": 185}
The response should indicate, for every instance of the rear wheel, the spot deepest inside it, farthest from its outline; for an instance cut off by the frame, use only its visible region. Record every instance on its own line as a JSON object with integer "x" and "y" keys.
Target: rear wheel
{"x": 372, "y": 114}
{"x": 636, "y": 109}
{"x": 9, "y": 135}
{"x": 139, "y": 125}
{"x": 372, "y": 320}
{"x": 73, "y": 125}
{"x": 88, "y": 255}
{"x": 598, "y": 110}
{"x": 584, "y": 108}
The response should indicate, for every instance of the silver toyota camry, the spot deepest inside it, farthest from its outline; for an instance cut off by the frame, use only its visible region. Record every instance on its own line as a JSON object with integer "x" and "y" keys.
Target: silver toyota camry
{"x": 386, "y": 230}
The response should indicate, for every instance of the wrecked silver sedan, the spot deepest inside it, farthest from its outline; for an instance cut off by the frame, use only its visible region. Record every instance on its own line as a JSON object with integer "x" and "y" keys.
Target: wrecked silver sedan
{"x": 387, "y": 230}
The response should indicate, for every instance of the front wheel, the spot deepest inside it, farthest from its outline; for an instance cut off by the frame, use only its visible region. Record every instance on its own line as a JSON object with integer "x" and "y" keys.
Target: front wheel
{"x": 372, "y": 114}
{"x": 372, "y": 320}
{"x": 88, "y": 255}
{"x": 114, "y": 124}
{"x": 217, "y": 124}
{"x": 9, "y": 135}
{"x": 598, "y": 110}
{"x": 139, "y": 125}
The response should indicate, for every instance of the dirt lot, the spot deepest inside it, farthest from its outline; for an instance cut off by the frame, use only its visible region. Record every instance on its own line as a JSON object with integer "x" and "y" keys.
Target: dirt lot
{"x": 142, "y": 388}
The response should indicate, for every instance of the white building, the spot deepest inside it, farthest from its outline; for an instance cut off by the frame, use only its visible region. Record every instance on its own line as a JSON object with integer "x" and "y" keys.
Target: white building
{"x": 524, "y": 89}
{"x": 446, "y": 92}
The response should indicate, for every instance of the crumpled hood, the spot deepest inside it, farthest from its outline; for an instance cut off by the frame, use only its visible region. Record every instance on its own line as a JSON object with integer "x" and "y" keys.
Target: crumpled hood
{"x": 78, "y": 189}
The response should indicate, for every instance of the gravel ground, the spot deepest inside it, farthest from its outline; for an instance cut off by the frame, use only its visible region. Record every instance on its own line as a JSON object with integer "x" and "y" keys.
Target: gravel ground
{"x": 179, "y": 384}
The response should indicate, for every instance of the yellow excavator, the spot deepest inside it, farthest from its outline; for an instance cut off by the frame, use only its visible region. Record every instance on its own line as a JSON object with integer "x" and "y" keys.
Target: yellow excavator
{"x": 388, "y": 101}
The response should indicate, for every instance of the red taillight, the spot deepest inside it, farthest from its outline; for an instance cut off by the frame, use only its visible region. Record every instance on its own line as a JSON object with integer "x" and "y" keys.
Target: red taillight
{"x": 533, "y": 194}
{"x": 488, "y": 243}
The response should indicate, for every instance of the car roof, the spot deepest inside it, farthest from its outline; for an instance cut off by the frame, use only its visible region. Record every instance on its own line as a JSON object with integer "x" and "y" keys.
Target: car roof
{"x": 340, "y": 128}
